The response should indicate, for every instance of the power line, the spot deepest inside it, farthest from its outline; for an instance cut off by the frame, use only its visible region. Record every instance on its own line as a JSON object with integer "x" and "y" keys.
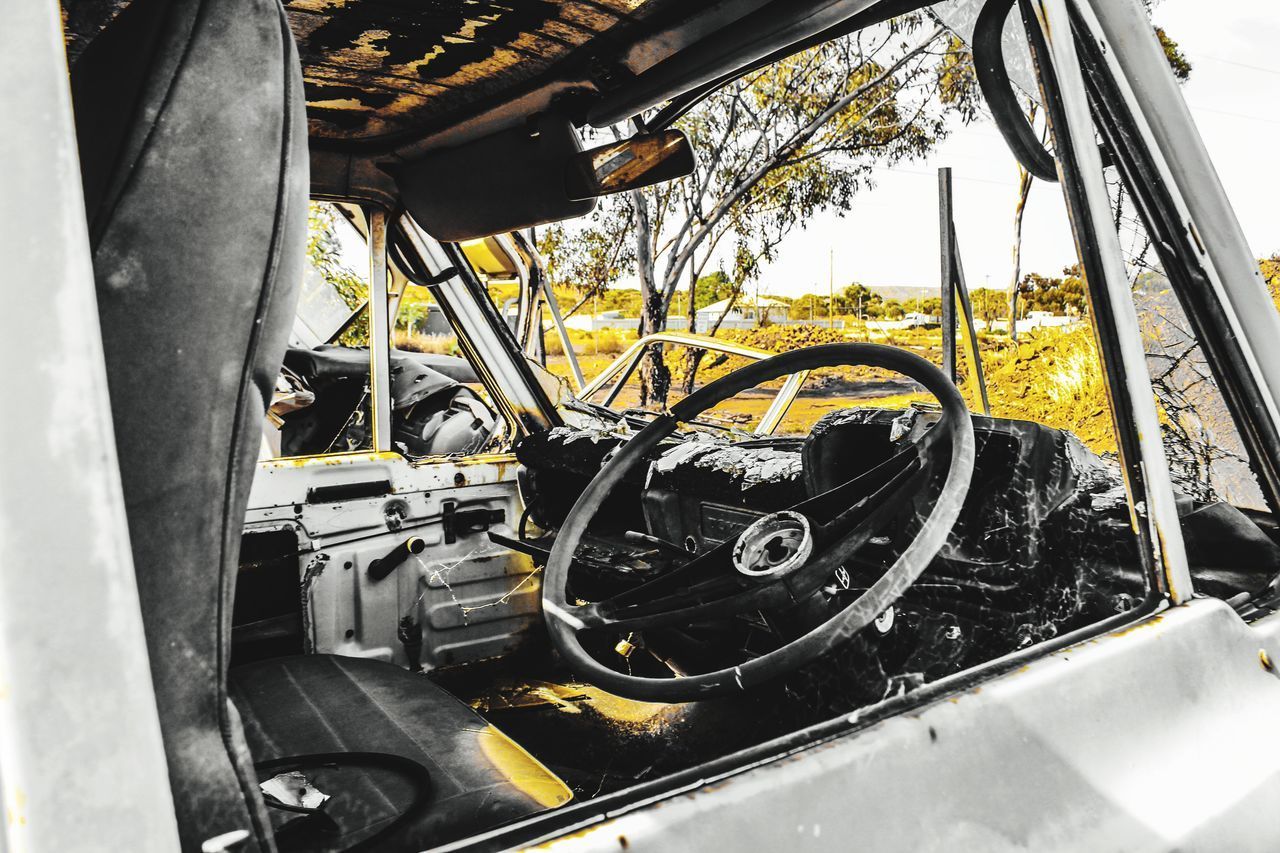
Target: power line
{"x": 1005, "y": 184}
{"x": 1244, "y": 116}
{"x": 1238, "y": 64}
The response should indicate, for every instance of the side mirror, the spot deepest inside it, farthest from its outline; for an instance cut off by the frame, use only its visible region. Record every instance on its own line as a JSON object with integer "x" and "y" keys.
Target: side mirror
{"x": 644, "y": 159}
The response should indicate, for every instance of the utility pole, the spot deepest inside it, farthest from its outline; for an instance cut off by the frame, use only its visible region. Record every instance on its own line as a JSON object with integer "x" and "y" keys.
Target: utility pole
{"x": 831, "y": 288}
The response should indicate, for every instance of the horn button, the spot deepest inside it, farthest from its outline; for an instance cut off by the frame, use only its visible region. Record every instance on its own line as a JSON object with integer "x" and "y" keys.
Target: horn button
{"x": 774, "y": 546}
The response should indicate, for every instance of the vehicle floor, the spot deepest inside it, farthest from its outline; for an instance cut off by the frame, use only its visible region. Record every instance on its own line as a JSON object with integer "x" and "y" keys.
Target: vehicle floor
{"x": 599, "y": 743}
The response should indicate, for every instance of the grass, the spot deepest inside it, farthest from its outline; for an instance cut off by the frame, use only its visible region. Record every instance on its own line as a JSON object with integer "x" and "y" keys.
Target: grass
{"x": 1051, "y": 377}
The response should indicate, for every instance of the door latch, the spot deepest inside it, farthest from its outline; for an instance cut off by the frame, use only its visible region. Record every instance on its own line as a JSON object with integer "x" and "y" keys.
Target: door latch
{"x": 460, "y": 521}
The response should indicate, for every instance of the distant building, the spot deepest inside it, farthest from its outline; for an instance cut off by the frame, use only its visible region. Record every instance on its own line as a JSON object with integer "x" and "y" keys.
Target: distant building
{"x": 916, "y": 319}
{"x": 745, "y": 309}
{"x": 1047, "y": 319}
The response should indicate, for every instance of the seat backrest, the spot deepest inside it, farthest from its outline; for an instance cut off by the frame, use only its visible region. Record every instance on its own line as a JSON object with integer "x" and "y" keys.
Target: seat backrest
{"x": 192, "y": 132}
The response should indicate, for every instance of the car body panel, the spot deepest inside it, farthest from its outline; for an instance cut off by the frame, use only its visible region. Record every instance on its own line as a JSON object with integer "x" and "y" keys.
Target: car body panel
{"x": 81, "y": 757}
{"x": 466, "y": 598}
{"x": 1127, "y": 742}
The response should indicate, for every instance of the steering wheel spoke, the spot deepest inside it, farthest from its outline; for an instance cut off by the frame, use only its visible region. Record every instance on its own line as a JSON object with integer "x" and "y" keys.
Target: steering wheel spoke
{"x": 717, "y": 600}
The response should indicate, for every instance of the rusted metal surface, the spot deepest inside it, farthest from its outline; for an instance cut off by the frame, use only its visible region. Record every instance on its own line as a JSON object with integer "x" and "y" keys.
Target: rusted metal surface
{"x": 464, "y": 596}
{"x": 377, "y": 68}
{"x": 374, "y": 68}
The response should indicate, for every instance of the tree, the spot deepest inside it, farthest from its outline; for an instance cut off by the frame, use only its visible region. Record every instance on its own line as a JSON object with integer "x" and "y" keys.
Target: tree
{"x": 587, "y": 260}
{"x": 988, "y": 304}
{"x": 324, "y": 252}
{"x": 1057, "y": 295}
{"x": 710, "y": 289}
{"x": 1177, "y": 59}
{"x": 776, "y": 146}
{"x": 810, "y": 305}
{"x": 858, "y": 299}
{"x": 1181, "y": 70}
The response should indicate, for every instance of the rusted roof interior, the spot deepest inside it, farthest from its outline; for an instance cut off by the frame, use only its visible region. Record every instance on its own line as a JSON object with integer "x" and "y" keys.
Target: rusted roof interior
{"x": 392, "y": 69}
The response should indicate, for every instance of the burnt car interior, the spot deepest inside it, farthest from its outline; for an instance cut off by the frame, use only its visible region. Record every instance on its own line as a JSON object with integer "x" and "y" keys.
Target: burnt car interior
{"x": 701, "y": 596}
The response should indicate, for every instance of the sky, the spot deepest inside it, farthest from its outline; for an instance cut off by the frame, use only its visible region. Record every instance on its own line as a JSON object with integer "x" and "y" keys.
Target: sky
{"x": 891, "y": 235}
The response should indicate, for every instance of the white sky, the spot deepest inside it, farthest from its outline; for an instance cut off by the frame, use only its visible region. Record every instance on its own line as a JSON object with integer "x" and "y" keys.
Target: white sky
{"x": 891, "y": 235}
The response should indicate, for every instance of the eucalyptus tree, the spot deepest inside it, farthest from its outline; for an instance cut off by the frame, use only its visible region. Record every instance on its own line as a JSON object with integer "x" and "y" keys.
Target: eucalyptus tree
{"x": 774, "y": 148}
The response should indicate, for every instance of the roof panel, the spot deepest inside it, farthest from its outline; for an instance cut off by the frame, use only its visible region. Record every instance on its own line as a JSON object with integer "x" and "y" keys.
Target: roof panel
{"x": 375, "y": 68}
{"x": 389, "y": 68}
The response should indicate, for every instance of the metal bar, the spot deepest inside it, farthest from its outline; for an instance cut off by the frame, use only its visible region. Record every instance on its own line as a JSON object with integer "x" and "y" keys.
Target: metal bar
{"x": 1133, "y": 405}
{"x": 485, "y": 338}
{"x": 967, "y": 331}
{"x": 563, "y": 333}
{"x": 669, "y": 337}
{"x": 379, "y": 330}
{"x": 782, "y": 403}
{"x": 946, "y": 245}
{"x": 625, "y": 364}
{"x": 626, "y": 374}
{"x": 526, "y": 255}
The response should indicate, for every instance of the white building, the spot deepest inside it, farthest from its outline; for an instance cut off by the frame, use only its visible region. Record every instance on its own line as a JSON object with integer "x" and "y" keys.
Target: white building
{"x": 746, "y": 309}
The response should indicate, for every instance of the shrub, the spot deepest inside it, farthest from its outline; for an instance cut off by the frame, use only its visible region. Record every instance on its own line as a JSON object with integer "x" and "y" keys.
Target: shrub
{"x": 434, "y": 344}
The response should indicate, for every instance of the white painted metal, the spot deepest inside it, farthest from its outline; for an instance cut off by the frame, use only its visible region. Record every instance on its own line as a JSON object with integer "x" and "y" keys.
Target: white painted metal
{"x": 488, "y": 353}
{"x": 471, "y": 599}
{"x": 1155, "y": 507}
{"x": 82, "y": 764}
{"x": 1194, "y": 184}
{"x": 1153, "y": 739}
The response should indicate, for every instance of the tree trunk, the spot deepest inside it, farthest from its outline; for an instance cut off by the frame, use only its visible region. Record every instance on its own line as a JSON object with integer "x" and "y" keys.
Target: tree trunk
{"x": 1024, "y": 190}
{"x": 694, "y": 356}
{"x": 655, "y": 378}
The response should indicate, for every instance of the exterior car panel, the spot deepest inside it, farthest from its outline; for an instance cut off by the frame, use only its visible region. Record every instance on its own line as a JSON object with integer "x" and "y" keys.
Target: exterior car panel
{"x": 1125, "y": 742}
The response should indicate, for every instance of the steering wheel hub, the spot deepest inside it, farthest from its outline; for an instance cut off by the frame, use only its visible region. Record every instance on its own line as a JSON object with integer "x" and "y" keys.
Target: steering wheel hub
{"x": 774, "y": 546}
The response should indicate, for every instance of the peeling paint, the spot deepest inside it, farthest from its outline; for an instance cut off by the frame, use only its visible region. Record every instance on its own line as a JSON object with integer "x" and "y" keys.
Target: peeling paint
{"x": 376, "y": 68}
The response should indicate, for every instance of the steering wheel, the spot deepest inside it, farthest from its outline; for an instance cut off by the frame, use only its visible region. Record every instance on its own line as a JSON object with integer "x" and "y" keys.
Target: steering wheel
{"x": 781, "y": 559}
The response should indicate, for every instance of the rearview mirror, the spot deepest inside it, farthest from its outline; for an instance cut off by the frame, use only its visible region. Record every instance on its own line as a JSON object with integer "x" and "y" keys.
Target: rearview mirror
{"x": 644, "y": 159}
{"x": 530, "y": 174}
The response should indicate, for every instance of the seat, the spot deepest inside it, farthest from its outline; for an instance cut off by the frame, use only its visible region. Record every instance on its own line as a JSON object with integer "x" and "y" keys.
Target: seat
{"x": 432, "y": 411}
{"x": 191, "y": 124}
{"x": 326, "y": 704}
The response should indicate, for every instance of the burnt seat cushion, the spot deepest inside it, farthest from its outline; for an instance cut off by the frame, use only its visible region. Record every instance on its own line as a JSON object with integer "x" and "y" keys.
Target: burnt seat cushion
{"x": 328, "y": 703}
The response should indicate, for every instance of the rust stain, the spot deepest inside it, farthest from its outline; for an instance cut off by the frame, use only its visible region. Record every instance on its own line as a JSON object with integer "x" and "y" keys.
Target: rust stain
{"x": 1149, "y": 622}
{"x": 330, "y": 459}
